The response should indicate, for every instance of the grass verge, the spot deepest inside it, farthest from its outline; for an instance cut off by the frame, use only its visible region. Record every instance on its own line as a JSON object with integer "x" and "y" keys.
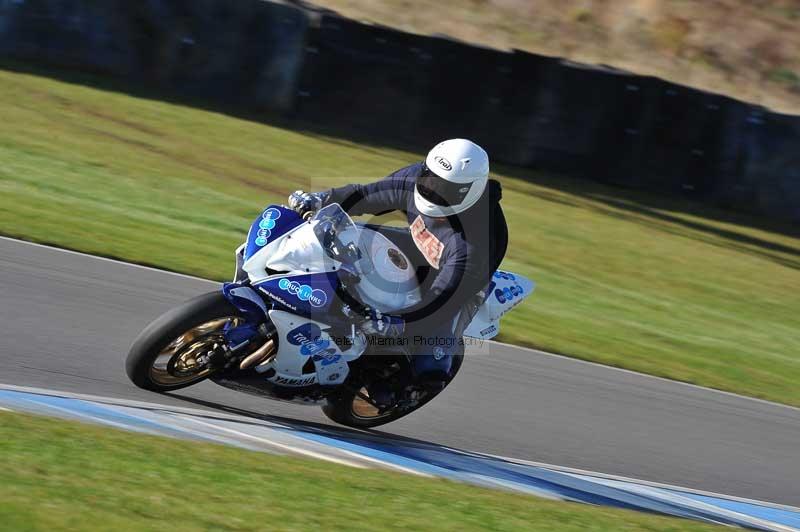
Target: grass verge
{"x": 651, "y": 284}
{"x": 60, "y": 475}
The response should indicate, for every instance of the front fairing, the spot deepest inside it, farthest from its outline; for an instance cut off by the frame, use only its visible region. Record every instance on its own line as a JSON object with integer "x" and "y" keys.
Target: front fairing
{"x": 280, "y": 243}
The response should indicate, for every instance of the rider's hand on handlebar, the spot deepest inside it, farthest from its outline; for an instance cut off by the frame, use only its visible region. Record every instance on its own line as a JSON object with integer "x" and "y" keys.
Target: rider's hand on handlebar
{"x": 305, "y": 202}
{"x": 383, "y": 324}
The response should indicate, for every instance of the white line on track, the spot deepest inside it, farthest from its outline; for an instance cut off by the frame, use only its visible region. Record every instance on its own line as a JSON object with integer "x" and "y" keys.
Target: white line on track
{"x": 90, "y": 417}
{"x": 385, "y": 464}
{"x": 5, "y": 409}
{"x": 290, "y": 448}
{"x": 583, "y": 472}
{"x": 187, "y": 413}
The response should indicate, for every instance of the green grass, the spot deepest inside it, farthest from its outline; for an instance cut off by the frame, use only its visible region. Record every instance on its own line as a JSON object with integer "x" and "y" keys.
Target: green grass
{"x": 627, "y": 279}
{"x": 60, "y": 475}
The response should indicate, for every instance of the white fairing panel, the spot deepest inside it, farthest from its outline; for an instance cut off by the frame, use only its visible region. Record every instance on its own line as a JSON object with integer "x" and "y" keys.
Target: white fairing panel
{"x": 301, "y": 339}
{"x": 506, "y": 291}
{"x": 298, "y": 251}
{"x": 256, "y": 266}
{"x": 388, "y": 279}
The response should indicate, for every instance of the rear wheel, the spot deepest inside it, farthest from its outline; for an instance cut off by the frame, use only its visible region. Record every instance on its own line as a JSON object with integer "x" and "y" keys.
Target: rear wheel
{"x": 354, "y": 407}
{"x": 177, "y": 349}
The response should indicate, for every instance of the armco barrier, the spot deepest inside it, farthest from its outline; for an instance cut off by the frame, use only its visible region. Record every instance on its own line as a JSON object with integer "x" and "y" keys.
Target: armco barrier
{"x": 383, "y": 85}
{"x": 770, "y": 147}
{"x": 248, "y": 51}
{"x": 362, "y": 78}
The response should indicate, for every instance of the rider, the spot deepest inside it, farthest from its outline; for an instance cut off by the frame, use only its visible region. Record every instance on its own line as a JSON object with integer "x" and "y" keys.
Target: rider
{"x": 457, "y": 237}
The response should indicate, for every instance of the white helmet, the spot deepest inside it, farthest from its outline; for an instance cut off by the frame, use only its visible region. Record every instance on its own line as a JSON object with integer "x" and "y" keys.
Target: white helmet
{"x": 455, "y": 177}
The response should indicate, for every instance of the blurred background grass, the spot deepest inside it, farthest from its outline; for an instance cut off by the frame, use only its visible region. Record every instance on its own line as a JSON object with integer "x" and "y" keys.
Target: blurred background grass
{"x": 628, "y": 279}
{"x": 747, "y": 49}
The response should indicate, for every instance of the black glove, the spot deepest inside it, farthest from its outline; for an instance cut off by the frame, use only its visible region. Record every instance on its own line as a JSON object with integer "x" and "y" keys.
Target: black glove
{"x": 383, "y": 324}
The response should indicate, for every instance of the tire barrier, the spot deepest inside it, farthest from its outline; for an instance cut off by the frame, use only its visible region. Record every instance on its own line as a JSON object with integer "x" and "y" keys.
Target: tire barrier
{"x": 382, "y": 85}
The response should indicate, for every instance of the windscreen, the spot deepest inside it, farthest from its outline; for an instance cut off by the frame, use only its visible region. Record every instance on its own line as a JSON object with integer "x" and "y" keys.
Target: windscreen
{"x": 338, "y": 235}
{"x": 387, "y": 280}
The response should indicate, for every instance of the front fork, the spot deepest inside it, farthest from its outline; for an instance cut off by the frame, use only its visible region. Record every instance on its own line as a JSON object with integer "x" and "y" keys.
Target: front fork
{"x": 255, "y": 331}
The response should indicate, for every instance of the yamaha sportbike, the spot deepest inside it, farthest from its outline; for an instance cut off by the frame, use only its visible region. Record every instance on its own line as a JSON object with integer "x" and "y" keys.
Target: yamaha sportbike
{"x": 289, "y": 325}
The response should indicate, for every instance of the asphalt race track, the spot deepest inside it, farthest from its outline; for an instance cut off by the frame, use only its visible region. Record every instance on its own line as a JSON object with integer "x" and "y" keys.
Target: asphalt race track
{"x": 68, "y": 320}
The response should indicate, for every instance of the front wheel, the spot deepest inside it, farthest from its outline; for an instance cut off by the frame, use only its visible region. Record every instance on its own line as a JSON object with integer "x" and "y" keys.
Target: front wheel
{"x": 176, "y": 350}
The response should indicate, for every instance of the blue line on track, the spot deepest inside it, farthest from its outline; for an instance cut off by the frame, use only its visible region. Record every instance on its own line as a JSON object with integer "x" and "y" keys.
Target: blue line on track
{"x": 443, "y": 462}
{"x": 776, "y": 515}
{"x": 462, "y": 466}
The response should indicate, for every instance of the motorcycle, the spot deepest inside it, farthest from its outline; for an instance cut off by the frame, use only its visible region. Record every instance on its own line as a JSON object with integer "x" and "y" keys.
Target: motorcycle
{"x": 287, "y": 326}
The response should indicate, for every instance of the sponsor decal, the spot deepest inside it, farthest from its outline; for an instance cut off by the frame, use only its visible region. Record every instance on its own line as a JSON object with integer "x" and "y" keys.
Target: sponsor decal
{"x": 488, "y": 330}
{"x": 309, "y": 337}
{"x": 327, "y": 357}
{"x": 501, "y": 298}
{"x": 444, "y": 163}
{"x": 279, "y": 299}
{"x": 303, "y": 292}
{"x": 508, "y": 293}
{"x": 271, "y": 214}
{"x": 262, "y": 236}
{"x": 266, "y": 225}
{"x": 333, "y": 376}
{"x": 430, "y": 246}
{"x": 290, "y": 381}
{"x": 504, "y": 275}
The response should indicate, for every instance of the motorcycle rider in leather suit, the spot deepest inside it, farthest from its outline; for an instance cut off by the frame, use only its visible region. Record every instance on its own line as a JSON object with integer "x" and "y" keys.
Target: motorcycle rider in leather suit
{"x": 456, "y": 238}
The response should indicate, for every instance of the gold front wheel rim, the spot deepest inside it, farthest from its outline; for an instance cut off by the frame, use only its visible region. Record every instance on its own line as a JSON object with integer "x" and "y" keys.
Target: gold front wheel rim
{"x": 186, "y": 358}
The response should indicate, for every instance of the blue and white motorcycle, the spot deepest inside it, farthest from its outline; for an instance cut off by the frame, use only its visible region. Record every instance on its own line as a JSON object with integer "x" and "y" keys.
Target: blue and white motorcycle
{"x": 288, "y": 326}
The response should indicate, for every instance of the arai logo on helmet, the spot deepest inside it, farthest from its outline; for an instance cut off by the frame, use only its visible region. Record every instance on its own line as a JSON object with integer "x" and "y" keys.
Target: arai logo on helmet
{"x": 266, "y": 225}
{"x": 315, "y": 296}
{"x": 444, "y": 163}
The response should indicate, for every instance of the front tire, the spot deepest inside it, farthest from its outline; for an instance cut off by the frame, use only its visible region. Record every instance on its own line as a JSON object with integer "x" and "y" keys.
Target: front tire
{"x": 174, "y": 351}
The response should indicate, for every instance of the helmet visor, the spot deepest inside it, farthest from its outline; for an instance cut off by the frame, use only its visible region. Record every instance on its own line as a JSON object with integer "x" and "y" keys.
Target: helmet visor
{"x": 440, "y": 191}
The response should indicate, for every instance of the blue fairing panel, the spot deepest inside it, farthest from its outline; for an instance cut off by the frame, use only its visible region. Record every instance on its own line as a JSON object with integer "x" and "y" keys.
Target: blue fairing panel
{"x": 247, "y": 300}
{"x": 302, "y": 294}
{"x": 271, "y": 224}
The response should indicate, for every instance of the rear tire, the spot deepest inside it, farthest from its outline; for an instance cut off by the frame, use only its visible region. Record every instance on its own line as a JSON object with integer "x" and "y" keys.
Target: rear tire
{"x": 343, "y": 406}
{"x": 189, "y": 324}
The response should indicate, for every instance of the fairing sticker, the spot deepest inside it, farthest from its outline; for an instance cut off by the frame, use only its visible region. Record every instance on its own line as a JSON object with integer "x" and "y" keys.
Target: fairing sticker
{"x": 274, "y": 222}
{"x": 328, "y": 362}
{"x": 302, "y": 294}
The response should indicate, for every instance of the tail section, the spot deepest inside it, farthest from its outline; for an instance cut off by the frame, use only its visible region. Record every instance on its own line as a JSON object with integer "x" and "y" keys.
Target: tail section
{"x": 506, "y": 291}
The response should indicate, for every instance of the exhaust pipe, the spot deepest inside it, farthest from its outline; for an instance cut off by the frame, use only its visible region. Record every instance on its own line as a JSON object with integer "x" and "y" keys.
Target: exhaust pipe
{"x": 259, "y": 356}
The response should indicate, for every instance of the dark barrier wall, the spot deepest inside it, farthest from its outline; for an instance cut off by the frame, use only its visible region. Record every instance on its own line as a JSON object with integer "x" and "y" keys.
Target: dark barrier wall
{"x": 244, "y": 51}
{"x": 388, "y": 86}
